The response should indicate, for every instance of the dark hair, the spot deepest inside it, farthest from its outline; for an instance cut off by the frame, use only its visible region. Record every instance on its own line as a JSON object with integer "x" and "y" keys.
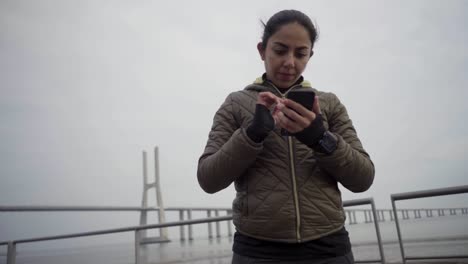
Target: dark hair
{"x": 286, "y": 17}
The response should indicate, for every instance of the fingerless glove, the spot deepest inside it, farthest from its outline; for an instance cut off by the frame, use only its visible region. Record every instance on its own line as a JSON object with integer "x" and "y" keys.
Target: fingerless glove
{"x": 312, "y": 134}
{"x": 261, "y": 125}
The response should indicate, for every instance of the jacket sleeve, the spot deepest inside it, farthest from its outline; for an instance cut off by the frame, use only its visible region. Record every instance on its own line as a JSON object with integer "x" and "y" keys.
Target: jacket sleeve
{"x": 228, "y": 152}
{"x": 349, "y": 164}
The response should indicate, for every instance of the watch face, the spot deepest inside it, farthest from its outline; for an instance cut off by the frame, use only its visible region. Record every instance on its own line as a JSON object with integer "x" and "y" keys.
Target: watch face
{"x": 328, "y": 142}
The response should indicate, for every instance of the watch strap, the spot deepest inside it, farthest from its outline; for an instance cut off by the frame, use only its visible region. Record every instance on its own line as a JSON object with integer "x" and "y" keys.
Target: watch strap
{"x": 327, "y": 144}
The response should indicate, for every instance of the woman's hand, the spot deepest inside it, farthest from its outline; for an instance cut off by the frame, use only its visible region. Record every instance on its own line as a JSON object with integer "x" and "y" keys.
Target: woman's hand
{"x": 263, "y": 122}
{"x": 267, "y": 99}
{"x": 294, "y": 117}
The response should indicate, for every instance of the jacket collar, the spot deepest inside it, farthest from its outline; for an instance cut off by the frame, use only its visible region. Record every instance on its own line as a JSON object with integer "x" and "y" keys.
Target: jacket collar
{"x": 263, "y": 80}
{"x": 262, "y": 84}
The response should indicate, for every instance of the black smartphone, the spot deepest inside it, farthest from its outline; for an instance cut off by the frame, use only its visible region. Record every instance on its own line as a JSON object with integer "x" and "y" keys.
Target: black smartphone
{"x": 305, "y": 97}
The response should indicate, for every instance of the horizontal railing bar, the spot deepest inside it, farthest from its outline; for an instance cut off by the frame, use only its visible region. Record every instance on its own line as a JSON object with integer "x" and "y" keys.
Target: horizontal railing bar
{"x": 73, "y": 208}
{"x": 430, "y": 193}
{"x": 25, "y": 208}
{"x": 409, "y": 209}
{"x": 357, "y": 202}
{"x": 368, "y": 261}
{"x": 132, "y": 228}
{"x": 123, "y": 229}
{"x": 39, "y": 208}
{"x": 198, "y": 208}
{"x": 436, "y": 257}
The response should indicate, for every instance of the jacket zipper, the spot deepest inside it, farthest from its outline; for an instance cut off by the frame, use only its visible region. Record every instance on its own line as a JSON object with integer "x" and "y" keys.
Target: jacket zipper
{"x": 293, "y": 173}
{"x": 296, "y": 198}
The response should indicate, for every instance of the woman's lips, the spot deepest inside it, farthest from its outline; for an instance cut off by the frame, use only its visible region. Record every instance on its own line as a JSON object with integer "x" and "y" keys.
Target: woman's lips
{"x": 285, "y": 76}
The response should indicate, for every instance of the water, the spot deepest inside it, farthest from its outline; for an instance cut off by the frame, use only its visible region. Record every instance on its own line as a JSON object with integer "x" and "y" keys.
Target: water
{"x": 436, "y": 236}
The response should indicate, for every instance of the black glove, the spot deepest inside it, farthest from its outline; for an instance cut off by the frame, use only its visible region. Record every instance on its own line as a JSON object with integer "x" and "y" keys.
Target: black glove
{"x": 261, "y": 125}
{"x": 312, "y": 134}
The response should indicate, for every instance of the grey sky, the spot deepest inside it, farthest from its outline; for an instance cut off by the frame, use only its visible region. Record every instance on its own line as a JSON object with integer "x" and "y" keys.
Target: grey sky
{"x": 87, "y": 85}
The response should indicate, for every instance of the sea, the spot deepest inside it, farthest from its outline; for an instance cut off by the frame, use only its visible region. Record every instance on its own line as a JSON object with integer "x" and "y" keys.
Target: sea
{"x": 435, "y": 236}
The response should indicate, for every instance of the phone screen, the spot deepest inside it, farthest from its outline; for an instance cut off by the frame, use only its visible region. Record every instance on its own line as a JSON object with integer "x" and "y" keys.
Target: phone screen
{"x": 304, "y": 97}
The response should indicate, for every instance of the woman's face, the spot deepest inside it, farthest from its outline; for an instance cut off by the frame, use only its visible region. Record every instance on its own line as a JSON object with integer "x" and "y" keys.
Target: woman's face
{"x": 286, "y": 54}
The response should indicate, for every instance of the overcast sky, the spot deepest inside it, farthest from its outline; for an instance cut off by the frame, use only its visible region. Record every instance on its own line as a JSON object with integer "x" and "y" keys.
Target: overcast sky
{"x": 86, "y": 86}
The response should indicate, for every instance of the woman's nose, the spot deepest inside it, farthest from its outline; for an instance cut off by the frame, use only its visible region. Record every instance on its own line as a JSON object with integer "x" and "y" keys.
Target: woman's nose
{"x": 289, "y": 61}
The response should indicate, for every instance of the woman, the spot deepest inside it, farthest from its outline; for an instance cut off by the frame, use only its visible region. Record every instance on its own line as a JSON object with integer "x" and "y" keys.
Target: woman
{"x": 288, "y": 207}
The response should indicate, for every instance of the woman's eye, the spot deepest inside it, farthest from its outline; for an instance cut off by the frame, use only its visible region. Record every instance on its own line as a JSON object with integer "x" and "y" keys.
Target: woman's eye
{"x": 280, "y": 52}
{"x": 300, "y": 55}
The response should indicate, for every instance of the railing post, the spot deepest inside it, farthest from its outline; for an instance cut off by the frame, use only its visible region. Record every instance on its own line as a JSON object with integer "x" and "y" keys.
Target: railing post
{"x": 390, "y": 212}
{"x": 182, "y": 228}
{"x": 397, "y": 223}
{"x": 217, "y": 225}
{"x": 11, "y": 253}
{"x": 441, "y": 212}
{"x": 210, "y": 230}
{"x": 229, "y": 224}
{"x": 352, "y": 217}
{"x": 137, "y": 247}
{"x": 377, "y": 231}
{"x": 428, "y": 213}
{"x": 190, "y": 231}
{"x": 405, "y": 214}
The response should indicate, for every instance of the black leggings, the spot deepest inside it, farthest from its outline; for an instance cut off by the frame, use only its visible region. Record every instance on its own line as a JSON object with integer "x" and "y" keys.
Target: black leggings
{"x": 346, "y": 259}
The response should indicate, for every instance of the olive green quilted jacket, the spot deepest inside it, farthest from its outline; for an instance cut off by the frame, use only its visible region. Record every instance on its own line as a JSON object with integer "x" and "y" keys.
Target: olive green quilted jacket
{"x": 285, "y": 191}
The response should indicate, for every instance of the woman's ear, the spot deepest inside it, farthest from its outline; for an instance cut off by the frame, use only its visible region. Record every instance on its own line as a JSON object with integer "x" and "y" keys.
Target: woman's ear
{"x": 261, "y": 50}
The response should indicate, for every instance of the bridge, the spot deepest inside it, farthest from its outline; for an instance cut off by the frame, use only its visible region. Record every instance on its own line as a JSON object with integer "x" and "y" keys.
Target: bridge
{"x": 217, "y": 215}
{"x": 356, "y": 216}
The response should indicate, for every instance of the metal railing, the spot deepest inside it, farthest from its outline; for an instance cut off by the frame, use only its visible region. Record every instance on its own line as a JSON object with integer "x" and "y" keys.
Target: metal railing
{"x": 376, "y": 224}
{"x": 11, "y": 251}
{"x": 182, "y": 211}
{"x": 423, "y": 194}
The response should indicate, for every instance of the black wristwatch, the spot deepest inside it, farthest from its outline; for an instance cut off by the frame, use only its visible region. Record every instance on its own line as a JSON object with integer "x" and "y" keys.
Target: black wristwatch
{"x": 327, "y": 144}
